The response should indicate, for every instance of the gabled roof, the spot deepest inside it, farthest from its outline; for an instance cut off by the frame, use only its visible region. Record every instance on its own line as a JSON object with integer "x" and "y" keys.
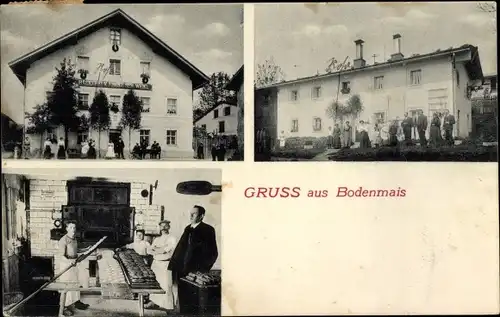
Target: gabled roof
{"x": 235, "y": 82}
{"x": 473, "y": 66}
{"x": 116, "y": 18}
{"x": 209, "y": 110}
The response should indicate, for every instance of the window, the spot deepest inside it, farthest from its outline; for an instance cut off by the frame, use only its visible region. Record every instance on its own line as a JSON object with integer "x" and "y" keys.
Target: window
{"x": 227, "y": 111}
{"x": 171, "y": 137}
{"x": 82, "y": 136}
{"x": 83, "y": 101}
{"x": 145, "y": 66}
{"x": 83, "y": 62}
{"x": 316, "y": 124}
{"x": 114, "y": 67}
{"x": 216, "y": 113}
{"x": 144, "y": 135}
{"x": 171, "y": 106}
{"x": 294, "y": 95}
{"x": 222, "y": 127}
{"x": 114, "y": 99}
{"x": 379, "y": 117}
{"x": 346, "y": 87}
{"x": 204, "y": 127}
{"x": 295, "y": 125}
{"x": 415, "y": 77}
{"x": 145, "y": 104}
{"x": 378, "y": 82}
{"x": 438, "y": 98}
{"x": 115, "y": 36}
{"x": 316, "y": 92}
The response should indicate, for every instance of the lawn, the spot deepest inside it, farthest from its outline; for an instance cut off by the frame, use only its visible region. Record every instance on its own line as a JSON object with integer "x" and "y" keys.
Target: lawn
{"x": 463, "y": 153}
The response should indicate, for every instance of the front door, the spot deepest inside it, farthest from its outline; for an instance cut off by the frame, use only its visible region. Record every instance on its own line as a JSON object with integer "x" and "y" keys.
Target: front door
{"x": 114, "y": 134}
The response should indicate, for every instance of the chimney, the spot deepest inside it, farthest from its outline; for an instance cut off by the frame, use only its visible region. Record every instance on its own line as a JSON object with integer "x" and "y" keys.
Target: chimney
{"x": 359, "y": 61}
{"x": 397, "y": 55}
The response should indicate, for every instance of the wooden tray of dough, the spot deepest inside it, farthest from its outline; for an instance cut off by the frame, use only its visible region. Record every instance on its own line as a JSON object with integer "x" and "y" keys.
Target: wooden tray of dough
{"x": 135, "y": 285}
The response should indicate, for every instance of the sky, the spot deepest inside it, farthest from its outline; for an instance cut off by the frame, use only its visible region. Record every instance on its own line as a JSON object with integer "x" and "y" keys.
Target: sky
{"x": 301, "y": 38}
{"x": 209, "y": 36}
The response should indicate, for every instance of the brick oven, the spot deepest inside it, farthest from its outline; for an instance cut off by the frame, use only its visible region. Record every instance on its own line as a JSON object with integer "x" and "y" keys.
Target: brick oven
{"x": 101, "y": 207}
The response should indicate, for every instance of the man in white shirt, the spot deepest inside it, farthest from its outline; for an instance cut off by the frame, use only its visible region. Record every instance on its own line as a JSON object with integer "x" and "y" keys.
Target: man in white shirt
{"x": 162, "y": 249}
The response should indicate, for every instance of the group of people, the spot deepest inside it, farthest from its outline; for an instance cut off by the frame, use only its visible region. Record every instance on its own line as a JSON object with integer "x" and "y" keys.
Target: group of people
{"x": 172, "y": 259}
{"x": 54, "y": 149}
{"x": 115, "y": 149}
{"x": 140, "y": 150}
{"x": 220, "y": 148}
{"x": 397, "y": 132}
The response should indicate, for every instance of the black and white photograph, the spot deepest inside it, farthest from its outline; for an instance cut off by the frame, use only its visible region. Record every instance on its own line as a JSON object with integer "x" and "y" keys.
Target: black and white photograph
{"x": 133, "y": 82}
{"x": 111, "y": 242}
{"x": 376, "y": 82}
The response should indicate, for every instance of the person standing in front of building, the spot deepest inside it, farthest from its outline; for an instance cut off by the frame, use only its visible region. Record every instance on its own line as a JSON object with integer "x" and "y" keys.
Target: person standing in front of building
{"x": 377, "y": 136}
{"x": 196, "y": 251}
{"x": 214, "y": 148}
{"x": 393, "y": 133}
{"x": 435, "y": 133}
{"x": 337, "y": 143}
{"x": 47, "y": 149}
{"x": 61, "y": 149}
{"x": 26, "y": 148}
{"x": 110, "y": 153}
{"x": 406, "y": 125}
{"x": 120, "y": 145}
{"x": 162, "y": 249}
{"x": 67, "y": 254}
{"x": 448, "y": 122}
{"x": 199, "y": 151}
{"x": 422, "y": 127}
{"x": 363, "y": 133}
{"x": 91, "y": 154}
{"x": 347, "y": 135}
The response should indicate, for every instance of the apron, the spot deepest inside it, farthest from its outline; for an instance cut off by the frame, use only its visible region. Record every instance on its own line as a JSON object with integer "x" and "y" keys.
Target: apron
{"x": 71, "y": 276}
{"x": 164, "y": 278}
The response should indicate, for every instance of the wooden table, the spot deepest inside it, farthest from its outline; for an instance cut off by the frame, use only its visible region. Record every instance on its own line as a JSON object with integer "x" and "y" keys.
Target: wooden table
{"x": 64, "y": 288}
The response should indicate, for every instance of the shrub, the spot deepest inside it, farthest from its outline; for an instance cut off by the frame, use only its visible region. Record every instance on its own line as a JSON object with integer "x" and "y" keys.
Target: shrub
{"x": 297, "y": 153}
{"x": 463, "y": 152}
{"x": 298, "y": 143}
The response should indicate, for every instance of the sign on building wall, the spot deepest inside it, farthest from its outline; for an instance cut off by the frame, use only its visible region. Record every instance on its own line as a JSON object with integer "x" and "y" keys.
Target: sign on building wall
{"x": 108, "y": 84}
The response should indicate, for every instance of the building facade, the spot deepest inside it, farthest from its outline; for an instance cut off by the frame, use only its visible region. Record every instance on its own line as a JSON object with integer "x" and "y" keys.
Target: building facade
{"x": 222, "y": 120}
{"x": 431, "y": 82}
{"x": 116, "y": 53}
{"x": 236, "y": 85}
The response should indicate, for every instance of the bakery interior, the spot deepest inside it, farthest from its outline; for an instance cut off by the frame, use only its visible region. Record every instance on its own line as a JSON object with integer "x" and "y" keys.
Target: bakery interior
{"x": 36, "y": 204}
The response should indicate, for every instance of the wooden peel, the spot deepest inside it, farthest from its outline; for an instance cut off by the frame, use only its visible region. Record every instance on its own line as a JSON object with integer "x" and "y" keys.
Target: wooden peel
{"x": 82, "y": 257}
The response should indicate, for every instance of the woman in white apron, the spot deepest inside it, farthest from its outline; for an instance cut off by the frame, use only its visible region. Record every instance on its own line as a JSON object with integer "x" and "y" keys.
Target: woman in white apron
{"x": 162, "y": 249}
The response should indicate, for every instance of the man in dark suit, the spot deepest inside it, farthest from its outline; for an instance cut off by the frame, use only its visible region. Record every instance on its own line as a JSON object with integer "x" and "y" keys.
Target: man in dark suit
{"x": 196, "y": 250}
{"x": 422, "y": 127}
{"x": 448, "y": 122}
{"x": 406, "y": 125}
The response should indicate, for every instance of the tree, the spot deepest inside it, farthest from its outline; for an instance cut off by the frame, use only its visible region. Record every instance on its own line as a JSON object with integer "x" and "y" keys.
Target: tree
{"x": 99, "y": 115}
{"x": 214, "y": 92}
{"x": 268, "y": 73}
{"x": 352, "y": 108}
{"x": 489, "y": 7}
{"x": 63, "y": 101}
{"x": 39, "y": 121}
{"x": 197, "y": 113}
{"x": 131, "y": 113}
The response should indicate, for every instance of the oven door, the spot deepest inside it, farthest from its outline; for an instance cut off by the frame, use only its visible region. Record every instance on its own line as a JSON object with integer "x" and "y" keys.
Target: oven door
{"x": 97, "y": 221}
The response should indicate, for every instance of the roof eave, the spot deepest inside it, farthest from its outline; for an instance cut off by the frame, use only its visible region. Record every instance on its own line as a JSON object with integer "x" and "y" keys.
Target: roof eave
{"x": 236, "y": 81}
{"x": 389, "y": 63}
